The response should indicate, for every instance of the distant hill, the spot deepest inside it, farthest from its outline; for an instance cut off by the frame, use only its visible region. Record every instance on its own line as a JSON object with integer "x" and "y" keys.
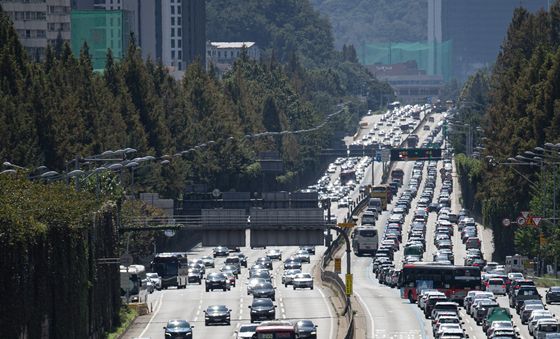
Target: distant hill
{"x": 360, "y": 21}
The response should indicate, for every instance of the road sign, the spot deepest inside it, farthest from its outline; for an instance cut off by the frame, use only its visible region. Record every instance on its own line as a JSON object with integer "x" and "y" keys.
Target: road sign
{"x": 404, "y": 154}
{"x": 530, "y": 221}
{"x": 521, "y": 221}
{"x": 346, "y": 224}
{"x": 506, "y": 222}
{"x": 537, "y": 220}
{"x": 525, "y": 214}
{"x": 386, "y": 155}
{"x": 348, "y": 284}
{"x": 337, "y": 265}
{"x": 126, "y": 259}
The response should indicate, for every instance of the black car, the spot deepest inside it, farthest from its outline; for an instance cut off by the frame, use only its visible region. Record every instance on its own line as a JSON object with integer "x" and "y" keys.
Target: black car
{"x": 306, "y": 329}
{"x": 265, "y": 290}
{"x": 216, "y": 281}
{"x": 262, "y": 309}
{"x": 221, "y": 251}
{"x": 178, "y": 329}
{"x": 553, "y": 295}
{"x": 309, "y": 249}
{"x": 217, "y": 314}
{"x": 292, "y": 264}
{"x": 265, "y": 261}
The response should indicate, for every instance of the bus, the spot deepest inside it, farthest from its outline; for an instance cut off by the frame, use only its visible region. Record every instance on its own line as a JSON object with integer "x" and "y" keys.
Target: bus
{"x": 347, "y": 176}
{"x": 382, "y": 192}
{"x": 454, "y": 281}
{"x": 276, "y": 330}
{"x": 173, "y": 268}
{"x": 365, "y": 240}
{"x": 133, "y": 283}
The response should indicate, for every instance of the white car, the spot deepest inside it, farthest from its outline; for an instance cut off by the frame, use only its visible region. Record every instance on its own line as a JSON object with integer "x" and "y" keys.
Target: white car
{"x": 155, "y": 279}
{"x": 303, "y": 280}
{"x": 535, "y": 317}
{"x": 496, "y": 286}
{"x": 288, "y": 276}
{"x": 246, "y": 331}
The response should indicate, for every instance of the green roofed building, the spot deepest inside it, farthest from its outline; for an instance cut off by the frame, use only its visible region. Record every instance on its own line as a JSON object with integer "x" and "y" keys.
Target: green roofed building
{"x": 102, "y": 30}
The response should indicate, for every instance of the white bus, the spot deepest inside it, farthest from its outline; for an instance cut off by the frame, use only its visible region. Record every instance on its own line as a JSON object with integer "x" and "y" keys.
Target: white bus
{"x": 134, "y": 284}
{"x": 365, "y": 240}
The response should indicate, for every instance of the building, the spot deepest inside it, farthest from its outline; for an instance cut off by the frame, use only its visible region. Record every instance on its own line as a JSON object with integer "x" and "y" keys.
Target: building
{"x": 476, "y": 29}
{"x": 39, "y": 23}
{"x": 222, "y": 55}
{"x": 170, "y": 31}
{"x": 411, "y": 84}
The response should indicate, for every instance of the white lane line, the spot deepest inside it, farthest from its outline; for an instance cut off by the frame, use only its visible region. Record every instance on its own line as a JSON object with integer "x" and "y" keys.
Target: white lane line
{"x": 330, "y": 314}
{"x": 368, "y": 312}
{"x": 153, "y": 315}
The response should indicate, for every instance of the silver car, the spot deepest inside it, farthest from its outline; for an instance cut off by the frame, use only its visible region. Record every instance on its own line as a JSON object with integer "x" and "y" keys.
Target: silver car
{"x": 288, "y": 276}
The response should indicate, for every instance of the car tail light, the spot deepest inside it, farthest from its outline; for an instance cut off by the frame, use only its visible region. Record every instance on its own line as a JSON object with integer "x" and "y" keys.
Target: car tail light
{"x": 504, "y": 285}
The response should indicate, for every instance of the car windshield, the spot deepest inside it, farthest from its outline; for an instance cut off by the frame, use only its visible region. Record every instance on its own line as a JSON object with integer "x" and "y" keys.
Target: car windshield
{"x": 262, "y": 302}
{"x": 264, "y": 285}
{"x": 305, "y": 323}
{"x": 555, "y": 289}
{"x": 178, "y": 324}
{"x": 217, "y": 308}
{"x": 303, "y": 276}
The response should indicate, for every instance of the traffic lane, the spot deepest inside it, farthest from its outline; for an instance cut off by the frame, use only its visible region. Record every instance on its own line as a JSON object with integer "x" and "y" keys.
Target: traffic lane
{"x": 389, "y": 315}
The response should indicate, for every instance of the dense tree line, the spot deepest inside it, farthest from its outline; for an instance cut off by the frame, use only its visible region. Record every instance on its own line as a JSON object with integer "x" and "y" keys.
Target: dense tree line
{"x": 522, "y": 111}
{"x": 52, "y": 111}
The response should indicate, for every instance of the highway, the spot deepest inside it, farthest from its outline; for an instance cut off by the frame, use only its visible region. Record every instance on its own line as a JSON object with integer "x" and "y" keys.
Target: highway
{"x": 190, "y": 303}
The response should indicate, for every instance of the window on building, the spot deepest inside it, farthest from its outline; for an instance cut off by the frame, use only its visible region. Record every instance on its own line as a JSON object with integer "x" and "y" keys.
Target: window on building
{"x": 180, "y": 55}
{"x": 209, "y": 53}
{"x": 179, "y": 31}
{"x": 41, "y": 34}
{"x": 172, "y": 31}
{"x": 231, "y": 54}
{"x": 173, "y": 55}
{"x": 172, "y": 21}
{"x": 172, "y": 9}
{"x": 28, "y": 33}
{"x": 219, "y": 54}
{"x": 172, "y": 43}
{"x": 178, "y": 9}
{"x": 180, "y": 43}
{"x": 179, "y": 21}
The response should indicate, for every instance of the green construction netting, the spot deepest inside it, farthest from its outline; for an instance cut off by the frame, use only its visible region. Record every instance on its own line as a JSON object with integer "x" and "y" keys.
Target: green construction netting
{"x": 434, "y": 58}
{"x": 102, "y": 30}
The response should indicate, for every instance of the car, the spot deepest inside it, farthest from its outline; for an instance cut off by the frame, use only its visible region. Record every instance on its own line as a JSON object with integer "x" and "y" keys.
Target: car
{"x": 306, "y": 329}
{"x": 234, "y": 260}
{"x": 150, "y": 286}
{"x": 208, "y": 261}
{"x": 220, "y": 251}
{"x": 302, "y": 280}
{"x": 496, "y": 285}
{"x": 552, "y": 295}
{"x": 274, "y": 254}
{"x": 288, "y": 276}
{"x": 246, "y": 331}
{"x": 215, "y": 281}
{"x": 265, "y": 261}
{"x": 535, "y": 317}
{"x": 262, "y": 309}
{"x": 254, "y": 282}
{"x": 292, "y": 263}
{"x": 527, "y": 310}
{"x": 309, "y": 249}
{"x": 304, "y": 256}
{"x": 264, "y": 290}
{"x": 448, "y": 319}
{"x": 155, "y": 279}
{"x": 217, "y": 314}
{"x": 502, "y": 325}
{"x": 232, "y": 268}
{"x": 178, "y": 328}
{"x": 231, "y": 278}
{"x": 194, "y": 275}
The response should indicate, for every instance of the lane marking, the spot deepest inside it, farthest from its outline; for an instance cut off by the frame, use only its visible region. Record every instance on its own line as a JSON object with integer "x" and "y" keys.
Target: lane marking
{"x": 331, "y": 330}
{"x": 370, "y": 315}
{"x": 153, "y": 315}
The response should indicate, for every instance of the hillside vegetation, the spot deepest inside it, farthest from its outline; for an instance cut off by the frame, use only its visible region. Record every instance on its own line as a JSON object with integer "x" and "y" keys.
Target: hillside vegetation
{"x": 522, "y": 112}
{"x": 365, "y": 21}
